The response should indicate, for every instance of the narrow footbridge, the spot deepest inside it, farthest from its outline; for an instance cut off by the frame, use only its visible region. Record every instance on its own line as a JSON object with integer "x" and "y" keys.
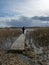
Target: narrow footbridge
{"x": 19, "y": 43}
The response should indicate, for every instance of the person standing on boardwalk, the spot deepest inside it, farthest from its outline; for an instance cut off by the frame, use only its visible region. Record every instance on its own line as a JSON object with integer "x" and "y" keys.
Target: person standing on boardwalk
{"x": 23, "y": 29}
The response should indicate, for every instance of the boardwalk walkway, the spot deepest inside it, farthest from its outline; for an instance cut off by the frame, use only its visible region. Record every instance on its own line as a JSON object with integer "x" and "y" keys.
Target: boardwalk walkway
{"x": 19, "y": 43}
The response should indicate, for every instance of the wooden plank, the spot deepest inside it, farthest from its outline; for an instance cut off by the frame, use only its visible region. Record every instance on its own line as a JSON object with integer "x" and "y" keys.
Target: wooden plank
{"x": 19, "y": 43}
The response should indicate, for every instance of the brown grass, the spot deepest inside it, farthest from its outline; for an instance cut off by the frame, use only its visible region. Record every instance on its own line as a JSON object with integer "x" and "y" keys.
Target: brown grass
{"x": 40, "y": 36}
{"x": 9, "y": 33}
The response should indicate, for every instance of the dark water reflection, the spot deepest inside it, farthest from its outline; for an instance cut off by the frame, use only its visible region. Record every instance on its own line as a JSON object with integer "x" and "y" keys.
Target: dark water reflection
{"x": 26, "y": 60}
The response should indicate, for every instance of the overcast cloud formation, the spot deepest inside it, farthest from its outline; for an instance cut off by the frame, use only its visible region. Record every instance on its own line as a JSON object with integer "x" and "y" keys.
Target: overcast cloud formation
{"x": 13, "y": 9}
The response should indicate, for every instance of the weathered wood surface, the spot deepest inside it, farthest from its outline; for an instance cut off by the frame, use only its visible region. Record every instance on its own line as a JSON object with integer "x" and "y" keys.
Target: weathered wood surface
{"x": 19, "y": 43}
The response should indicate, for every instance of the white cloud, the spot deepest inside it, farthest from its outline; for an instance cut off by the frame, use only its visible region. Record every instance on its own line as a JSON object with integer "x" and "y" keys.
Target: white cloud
{"x": 27, "y": 8}
{"x": 30, "y": 8}
{"x": 36, "y": 8}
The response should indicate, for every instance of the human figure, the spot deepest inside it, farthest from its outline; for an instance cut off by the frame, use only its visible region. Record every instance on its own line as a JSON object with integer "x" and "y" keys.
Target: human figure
{"x": 23, "y": 29}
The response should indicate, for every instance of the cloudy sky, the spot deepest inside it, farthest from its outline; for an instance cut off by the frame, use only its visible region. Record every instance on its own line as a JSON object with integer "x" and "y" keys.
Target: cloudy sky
{"x": 13, "y": 9}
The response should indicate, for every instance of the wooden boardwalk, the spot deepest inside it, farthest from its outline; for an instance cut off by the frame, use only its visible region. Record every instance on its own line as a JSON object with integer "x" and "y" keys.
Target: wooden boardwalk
{"x": 19, "y": 43}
